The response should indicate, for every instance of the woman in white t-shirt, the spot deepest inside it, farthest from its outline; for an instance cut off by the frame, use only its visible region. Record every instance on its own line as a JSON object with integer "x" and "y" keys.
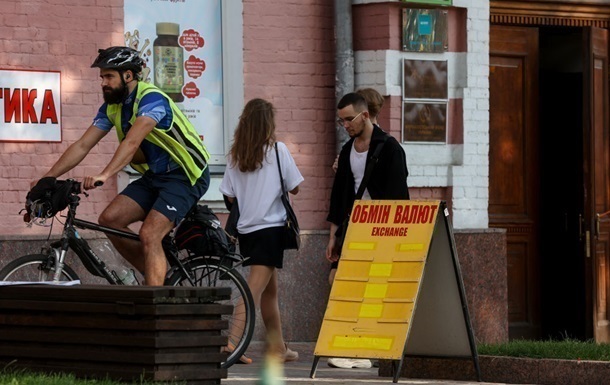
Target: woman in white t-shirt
{"x": 252, "y": 177}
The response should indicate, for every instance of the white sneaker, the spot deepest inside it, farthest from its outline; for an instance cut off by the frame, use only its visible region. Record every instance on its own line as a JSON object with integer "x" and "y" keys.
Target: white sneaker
{"x": 349, "y": 363}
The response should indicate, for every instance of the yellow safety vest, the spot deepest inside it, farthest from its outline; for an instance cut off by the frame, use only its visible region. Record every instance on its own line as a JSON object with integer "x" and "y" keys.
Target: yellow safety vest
{"x": 180, "y": 140}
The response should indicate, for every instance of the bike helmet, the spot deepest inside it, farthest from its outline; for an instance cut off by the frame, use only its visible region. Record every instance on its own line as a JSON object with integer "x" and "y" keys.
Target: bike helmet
{"x": 119, "y": 58}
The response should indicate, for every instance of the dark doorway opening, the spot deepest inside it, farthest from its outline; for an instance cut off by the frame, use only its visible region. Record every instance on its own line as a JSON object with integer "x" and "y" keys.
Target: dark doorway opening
{"x": 562, "y": 273}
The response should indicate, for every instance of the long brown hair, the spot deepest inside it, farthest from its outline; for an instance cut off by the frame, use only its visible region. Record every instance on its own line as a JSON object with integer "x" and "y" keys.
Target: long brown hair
{"x": 255, "y": 132}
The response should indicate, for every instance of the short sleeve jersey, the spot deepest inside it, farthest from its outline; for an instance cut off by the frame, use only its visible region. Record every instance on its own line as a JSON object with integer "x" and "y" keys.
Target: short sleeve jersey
{"x": 155, "y": 106}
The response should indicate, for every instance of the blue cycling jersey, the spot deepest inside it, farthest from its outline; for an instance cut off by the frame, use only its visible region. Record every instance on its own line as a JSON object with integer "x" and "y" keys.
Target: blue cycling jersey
{"x": 155, "y": 106}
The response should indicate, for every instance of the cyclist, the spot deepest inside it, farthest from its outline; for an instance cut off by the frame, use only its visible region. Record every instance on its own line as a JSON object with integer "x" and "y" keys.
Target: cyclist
{"x": 157, "y": 140}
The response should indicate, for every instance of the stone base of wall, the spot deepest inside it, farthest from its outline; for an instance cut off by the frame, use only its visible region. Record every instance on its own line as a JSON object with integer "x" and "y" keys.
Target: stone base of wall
{"x": 304, "y": 286}
{"x": 482, "y": 255}
{"x": 510, "y": 370}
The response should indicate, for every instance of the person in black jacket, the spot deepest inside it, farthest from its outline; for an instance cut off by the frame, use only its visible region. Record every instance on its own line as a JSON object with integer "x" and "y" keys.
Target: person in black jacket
{"x": 388, "y": 179}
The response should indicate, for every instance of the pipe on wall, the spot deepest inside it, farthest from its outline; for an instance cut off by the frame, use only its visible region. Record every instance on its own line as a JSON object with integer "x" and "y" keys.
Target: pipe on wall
{"x": 344, "y": 59}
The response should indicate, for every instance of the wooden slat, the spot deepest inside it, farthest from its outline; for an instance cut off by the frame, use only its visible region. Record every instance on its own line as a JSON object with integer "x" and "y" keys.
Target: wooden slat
{"x": 157, "y": 334}
{"x": 113, "y": 293}
{"x": 121, "y": 307}
{"x": 102, "y": 322}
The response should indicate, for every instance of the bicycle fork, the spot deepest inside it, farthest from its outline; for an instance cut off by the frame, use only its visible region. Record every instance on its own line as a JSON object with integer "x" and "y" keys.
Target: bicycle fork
{"x": 59, "y": 255}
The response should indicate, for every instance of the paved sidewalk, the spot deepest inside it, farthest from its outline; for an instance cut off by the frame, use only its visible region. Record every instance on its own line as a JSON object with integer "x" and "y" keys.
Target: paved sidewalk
{"x": 297, "y": 373}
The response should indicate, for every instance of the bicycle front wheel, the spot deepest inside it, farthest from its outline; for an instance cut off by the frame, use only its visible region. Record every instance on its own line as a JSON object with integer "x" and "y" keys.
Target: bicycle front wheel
{"x": 35, "y": 268}
{"x": 207, "y": 273}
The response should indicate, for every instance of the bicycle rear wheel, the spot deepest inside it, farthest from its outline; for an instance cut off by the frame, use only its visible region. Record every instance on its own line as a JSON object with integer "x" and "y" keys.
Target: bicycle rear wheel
{"x": 35, "y": 268}
{"x": 208, "y": 273}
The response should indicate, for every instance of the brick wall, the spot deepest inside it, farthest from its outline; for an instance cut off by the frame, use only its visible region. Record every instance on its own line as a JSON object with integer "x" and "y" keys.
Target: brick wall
{"x": 56, "y": 36}
{"x": 289, "y": 60}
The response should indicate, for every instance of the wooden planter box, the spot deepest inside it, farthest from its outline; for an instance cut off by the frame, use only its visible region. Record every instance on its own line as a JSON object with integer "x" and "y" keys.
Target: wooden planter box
{"x": 118, "y": 332}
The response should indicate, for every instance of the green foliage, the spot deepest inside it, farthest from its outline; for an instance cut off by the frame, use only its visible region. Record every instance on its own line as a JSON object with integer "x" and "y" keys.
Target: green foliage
{"x": 23, "y": 377}
{"x": 565, "y": 349}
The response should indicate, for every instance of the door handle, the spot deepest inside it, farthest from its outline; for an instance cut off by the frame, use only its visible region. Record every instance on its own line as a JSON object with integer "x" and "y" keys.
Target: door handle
{"x": 598, "y": 216}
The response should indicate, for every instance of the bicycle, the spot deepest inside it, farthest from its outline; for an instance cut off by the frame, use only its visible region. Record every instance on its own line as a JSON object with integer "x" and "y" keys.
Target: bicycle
{"x": 185, "y": 270}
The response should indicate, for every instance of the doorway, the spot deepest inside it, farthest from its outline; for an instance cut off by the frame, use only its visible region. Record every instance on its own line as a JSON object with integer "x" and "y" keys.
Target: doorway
{"x": 538, "y": 158}
{"x": 562, "y": 269}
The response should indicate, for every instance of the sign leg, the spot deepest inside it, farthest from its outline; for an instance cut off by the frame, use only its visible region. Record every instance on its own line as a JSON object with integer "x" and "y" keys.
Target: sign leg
{"x": 312, "y": 374}
{"x": 396, "y": 368}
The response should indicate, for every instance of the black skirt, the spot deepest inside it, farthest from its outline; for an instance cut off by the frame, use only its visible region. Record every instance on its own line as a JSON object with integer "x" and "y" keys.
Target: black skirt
{"x": 263, "y": 247}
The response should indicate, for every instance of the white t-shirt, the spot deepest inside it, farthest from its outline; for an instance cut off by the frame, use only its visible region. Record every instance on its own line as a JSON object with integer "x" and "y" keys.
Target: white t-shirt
{"x": 357, "y": 162}
{"x": 258, "y": 192}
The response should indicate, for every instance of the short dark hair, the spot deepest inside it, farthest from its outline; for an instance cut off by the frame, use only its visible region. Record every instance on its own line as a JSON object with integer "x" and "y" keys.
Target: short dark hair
{"x": 353, "y": 99}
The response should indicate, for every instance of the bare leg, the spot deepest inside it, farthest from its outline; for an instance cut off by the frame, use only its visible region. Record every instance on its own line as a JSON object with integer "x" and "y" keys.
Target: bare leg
{"x": 147, "y": 256}
{"x": 154, "y": 229}
{"x": 119, "y": 214}
{"x": 257, "y": 282}
{"x": 270, "y": 311}
{"x": 331, "y": 276}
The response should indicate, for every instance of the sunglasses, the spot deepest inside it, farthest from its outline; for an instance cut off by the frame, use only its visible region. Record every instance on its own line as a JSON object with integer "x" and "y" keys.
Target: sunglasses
{"x": 342, "y": 121}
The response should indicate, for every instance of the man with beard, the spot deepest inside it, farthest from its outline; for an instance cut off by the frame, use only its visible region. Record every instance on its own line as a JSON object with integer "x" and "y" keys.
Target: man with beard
{"x": 388, "y": 179}
{"x": 157, "y": 140}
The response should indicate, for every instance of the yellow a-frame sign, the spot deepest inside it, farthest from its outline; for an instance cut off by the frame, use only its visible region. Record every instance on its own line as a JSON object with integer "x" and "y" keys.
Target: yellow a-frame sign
{"x": 398, "y": 290}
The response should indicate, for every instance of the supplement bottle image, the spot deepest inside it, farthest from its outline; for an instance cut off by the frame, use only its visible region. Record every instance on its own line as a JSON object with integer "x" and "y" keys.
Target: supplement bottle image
{"x": 168, "y": 59}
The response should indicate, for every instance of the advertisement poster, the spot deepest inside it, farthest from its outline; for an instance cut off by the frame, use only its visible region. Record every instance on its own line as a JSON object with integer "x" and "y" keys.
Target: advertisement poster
{"x": 181, "y": 43}
{"x": 30, "y": 106}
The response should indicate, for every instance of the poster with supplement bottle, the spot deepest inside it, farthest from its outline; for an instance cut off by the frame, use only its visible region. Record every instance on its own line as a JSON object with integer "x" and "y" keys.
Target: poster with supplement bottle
{"x": 181, "y": 44}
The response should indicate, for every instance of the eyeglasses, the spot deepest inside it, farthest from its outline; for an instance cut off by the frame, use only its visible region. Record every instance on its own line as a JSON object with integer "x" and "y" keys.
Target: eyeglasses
{"x": 341, "y": 121}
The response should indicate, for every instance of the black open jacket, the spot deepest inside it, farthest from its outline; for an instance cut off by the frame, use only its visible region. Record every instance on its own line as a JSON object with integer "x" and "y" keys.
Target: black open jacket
{"x": 388, "y": 179}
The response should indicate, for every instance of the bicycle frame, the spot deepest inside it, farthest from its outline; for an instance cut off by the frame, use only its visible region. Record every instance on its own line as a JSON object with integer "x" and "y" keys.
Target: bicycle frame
{"x": 71, "y": 239}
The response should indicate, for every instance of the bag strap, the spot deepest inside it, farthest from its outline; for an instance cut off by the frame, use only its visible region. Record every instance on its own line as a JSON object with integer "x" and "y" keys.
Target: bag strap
{"x": 369, "y": 168}
{"x": 277, "y": 155}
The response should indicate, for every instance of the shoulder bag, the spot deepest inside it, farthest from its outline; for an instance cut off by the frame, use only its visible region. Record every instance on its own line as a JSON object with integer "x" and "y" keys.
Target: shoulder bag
{"x": 342, "y": 229}
{"x": 292, "y": 237}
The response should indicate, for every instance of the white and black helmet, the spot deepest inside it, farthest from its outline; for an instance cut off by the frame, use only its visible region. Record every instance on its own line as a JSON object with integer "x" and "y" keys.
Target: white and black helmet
{"x": 119, "y": 58}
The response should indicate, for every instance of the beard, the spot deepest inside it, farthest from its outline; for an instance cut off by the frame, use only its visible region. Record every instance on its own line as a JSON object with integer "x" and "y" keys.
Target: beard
{"x": 115, "y": 95}
{"x": 355, "y": 133}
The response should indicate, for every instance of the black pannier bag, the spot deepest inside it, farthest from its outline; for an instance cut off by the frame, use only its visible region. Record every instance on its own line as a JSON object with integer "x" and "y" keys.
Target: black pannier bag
{"x": 201, "y": 233}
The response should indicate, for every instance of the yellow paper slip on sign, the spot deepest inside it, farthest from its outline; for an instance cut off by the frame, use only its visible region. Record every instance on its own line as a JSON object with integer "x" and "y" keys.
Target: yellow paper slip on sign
{"x": 356, "y": 342}
{"x": 361, "y": 246}
{"x": 370, "y": 310}
{"x": 410, "y": 247}
{"x": 380, "y": 270}
{"x": 399, "y": 300}
{"x": 375, "y": 290}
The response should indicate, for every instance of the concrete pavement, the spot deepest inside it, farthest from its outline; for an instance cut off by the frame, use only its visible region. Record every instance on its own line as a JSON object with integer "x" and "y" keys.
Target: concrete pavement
{"x": 297, "y": 373}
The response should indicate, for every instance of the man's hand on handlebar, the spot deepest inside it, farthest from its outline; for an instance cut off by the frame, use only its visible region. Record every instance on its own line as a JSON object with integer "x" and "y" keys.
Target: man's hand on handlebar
{"x": 91, "y": 182}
